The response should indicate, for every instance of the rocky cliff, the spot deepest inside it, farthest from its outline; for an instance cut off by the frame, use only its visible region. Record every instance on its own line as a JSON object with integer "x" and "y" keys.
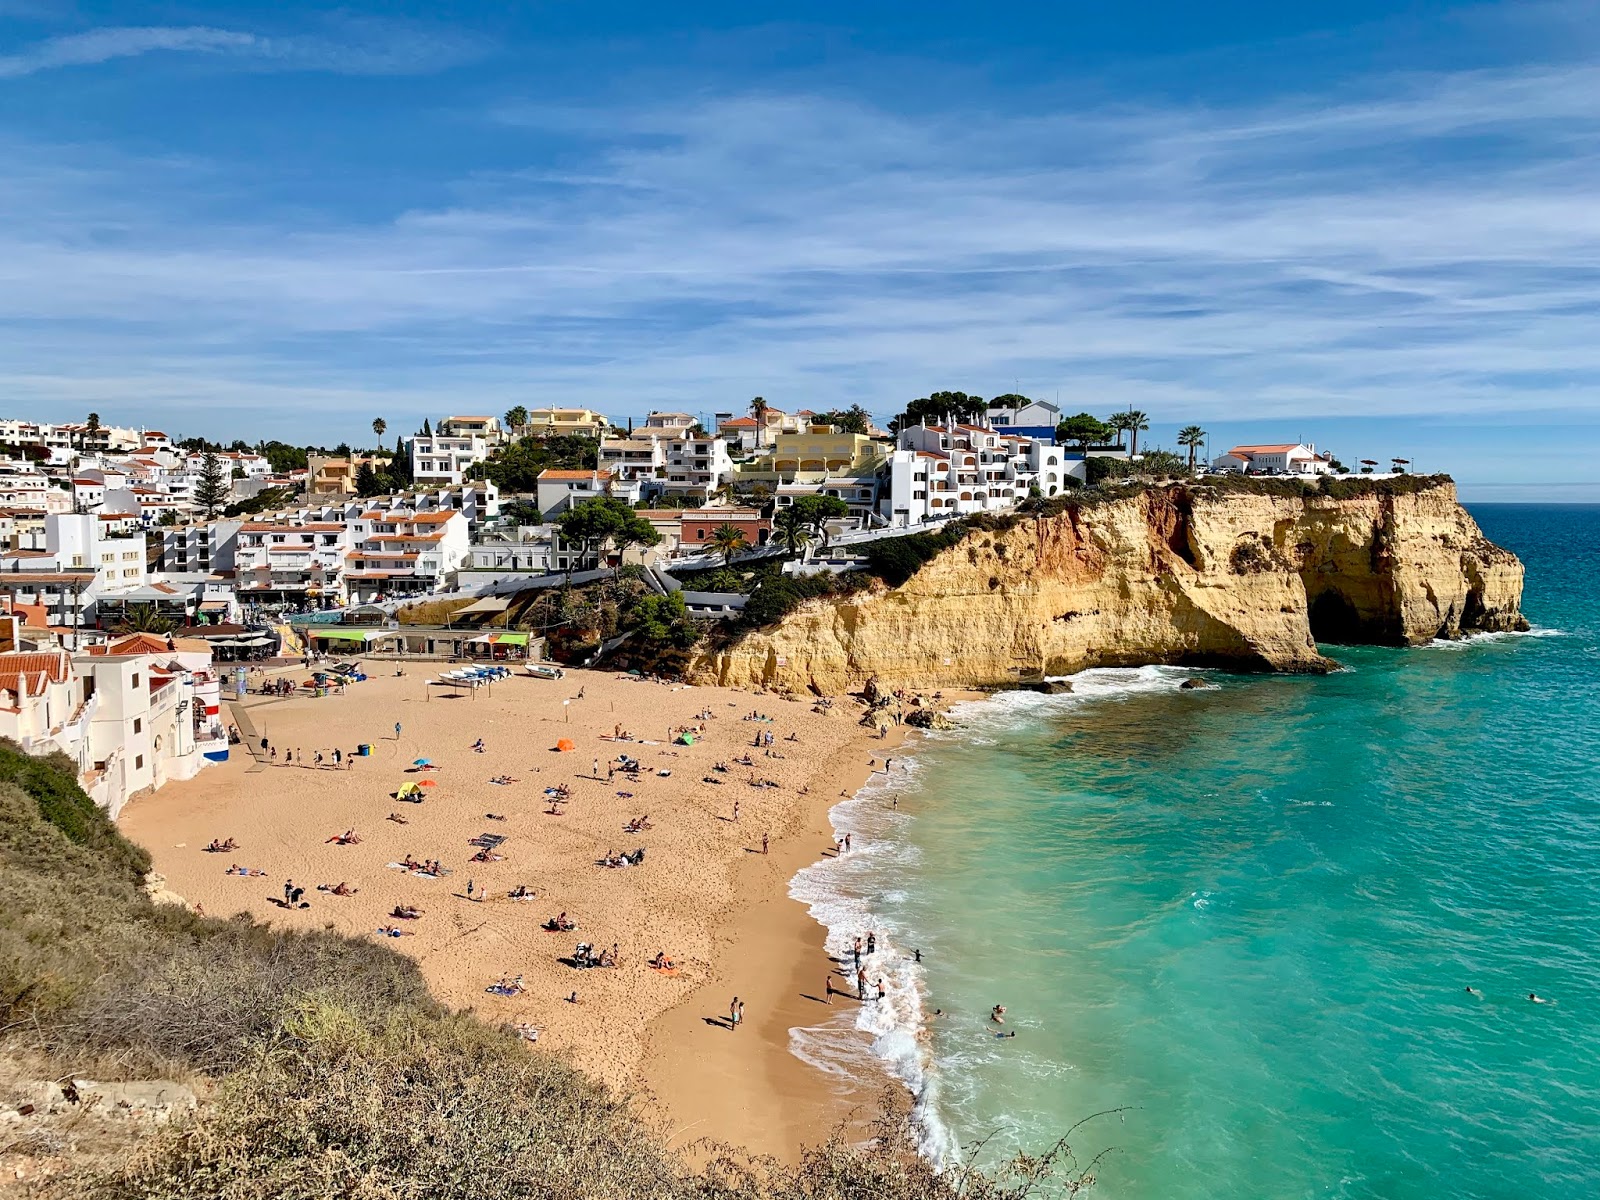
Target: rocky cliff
{"x": 1184, "y": 574}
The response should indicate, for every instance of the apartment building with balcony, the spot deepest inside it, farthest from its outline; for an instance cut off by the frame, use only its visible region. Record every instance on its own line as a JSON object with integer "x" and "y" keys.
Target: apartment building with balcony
{"x": 443, "y": 461}
{"x": 487, "y": 428}
{"x": 952, "y": 470}
{"x": 697, "y": 466}
{"x": 643, "y": 458}
{"x": 290, "y": 563}
{"x": 396, "y": 553}
{"x": 563, "y": 422}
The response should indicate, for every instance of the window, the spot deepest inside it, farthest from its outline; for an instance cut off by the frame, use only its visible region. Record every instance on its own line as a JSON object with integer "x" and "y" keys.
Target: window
{"x": 135, "y": 679}
{"x": 138, "y": 762}
{"x": 138, "y": 724}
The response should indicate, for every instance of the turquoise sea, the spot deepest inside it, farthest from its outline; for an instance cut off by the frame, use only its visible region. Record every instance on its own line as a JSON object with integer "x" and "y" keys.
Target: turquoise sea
{"x": 1248, "y": 916}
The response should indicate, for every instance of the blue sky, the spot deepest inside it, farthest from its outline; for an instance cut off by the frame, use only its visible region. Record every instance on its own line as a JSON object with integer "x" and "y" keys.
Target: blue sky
{"x": 1369, "y": 225}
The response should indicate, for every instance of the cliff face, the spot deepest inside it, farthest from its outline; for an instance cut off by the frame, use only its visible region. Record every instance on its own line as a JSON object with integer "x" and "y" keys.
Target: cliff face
{"x": 1178, "y": 575}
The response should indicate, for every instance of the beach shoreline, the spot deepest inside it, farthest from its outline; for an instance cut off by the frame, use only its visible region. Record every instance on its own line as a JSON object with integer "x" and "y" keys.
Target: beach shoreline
{"x": 706, "y": 893}
{"x": 767, "y": 1100}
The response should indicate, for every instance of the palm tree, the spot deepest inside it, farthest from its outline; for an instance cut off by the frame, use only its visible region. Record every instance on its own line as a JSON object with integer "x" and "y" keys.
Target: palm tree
{"x": 758, "y": 410}
{"x": 1135, "y": 423}
{"x": 792, "y": 528}
{"x": 728, "y": 541}
{"x": 378, "y": 426}
{"x": 143, "y": 618}
{"x": 1193, "y": 437}
{"x": 1117, "y": 423}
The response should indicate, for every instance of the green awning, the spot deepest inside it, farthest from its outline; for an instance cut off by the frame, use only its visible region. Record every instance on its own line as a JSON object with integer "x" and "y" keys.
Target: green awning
{"x": 510, "y": 639}
{"x": 352, "y": 634}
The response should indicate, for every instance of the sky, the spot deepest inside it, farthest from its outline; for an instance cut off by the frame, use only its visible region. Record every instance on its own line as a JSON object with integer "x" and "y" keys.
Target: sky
{"x": 1372, "y": 226}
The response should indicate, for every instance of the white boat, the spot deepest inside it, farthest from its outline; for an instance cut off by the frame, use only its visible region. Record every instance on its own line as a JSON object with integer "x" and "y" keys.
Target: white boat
{"x": 543, "y": 670}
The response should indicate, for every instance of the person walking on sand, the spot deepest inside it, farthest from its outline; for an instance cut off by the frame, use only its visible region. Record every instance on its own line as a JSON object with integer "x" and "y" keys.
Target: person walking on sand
{"x": 288, "y": 890}
{"x": 739, "y": 1017}
{"x": 470, "y": 886}
{"x": 764, "y": 843}
{"x": 827, "y": 986}
{"x": 397, "y": 731}
{"x": 733, "y": 1013}
{"x": 735, "y": 810}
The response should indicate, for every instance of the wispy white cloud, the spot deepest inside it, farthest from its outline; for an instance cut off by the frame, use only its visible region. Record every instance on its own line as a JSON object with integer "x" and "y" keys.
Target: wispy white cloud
{"x": 103, "y": 45}
{"x": 1424, "y": 245}
{"x": 355, "y": 47}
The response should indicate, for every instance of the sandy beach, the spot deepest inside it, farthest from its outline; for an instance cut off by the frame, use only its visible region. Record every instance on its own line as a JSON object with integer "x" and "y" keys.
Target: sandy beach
{"x": 706, "y": 894}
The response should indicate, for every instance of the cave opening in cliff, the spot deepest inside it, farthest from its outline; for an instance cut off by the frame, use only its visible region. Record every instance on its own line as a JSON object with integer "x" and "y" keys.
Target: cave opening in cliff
{"x": 1334, "y": 619}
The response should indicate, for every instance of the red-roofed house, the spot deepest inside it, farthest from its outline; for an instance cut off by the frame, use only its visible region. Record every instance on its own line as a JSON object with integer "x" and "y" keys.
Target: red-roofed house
{"x": 1288, "y": 458}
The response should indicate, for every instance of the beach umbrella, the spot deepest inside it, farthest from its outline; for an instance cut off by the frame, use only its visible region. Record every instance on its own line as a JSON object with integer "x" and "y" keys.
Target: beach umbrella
{"x": 565, "y": 744}
{"x": 422, "y": 762}
{"x": 427, "y": 783}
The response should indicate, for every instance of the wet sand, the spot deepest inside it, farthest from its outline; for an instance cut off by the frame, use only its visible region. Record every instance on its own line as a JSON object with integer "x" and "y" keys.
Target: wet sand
{"x": 705, "y": 893}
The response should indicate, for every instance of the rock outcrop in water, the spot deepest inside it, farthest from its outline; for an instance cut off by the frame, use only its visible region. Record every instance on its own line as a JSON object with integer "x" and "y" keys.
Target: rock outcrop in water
{"x": 1184, "y": 575}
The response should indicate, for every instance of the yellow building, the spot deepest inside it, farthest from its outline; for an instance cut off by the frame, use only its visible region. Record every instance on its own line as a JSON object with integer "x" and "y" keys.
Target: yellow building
{"x": 557, "y": 422}
{"x": 820, "y": 449}
{"x": 331, "y": 478}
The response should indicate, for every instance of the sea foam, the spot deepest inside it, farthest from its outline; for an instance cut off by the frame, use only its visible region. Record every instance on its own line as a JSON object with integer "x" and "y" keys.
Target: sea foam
{"x": 843, "y": 894}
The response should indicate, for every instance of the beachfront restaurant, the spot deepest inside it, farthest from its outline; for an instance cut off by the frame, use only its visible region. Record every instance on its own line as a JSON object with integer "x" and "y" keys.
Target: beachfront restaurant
{"x": 425, "y": 641}
{"x": 342, "y": 639}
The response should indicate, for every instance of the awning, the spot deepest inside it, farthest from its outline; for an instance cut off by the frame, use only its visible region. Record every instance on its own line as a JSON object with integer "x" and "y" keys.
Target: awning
{"x": 499, "y": 639}
{"x": 353, "y": 635}
{"x": 213, "y": 605}
{"x": 489, "y": 604}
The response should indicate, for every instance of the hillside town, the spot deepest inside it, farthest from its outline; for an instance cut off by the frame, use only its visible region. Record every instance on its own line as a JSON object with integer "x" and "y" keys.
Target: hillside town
{"x": 141, "y": 575}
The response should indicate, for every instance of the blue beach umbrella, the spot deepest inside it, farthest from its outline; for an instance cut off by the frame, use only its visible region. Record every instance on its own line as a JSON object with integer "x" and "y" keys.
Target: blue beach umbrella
{"x": 422, "y": 762}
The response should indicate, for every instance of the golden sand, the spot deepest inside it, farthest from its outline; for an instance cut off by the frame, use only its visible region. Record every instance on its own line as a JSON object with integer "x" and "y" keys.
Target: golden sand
{"x": 705, "y": 892}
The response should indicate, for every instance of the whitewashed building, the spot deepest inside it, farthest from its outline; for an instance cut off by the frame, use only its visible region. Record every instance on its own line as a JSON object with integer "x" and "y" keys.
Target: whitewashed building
{"x": 1289, "y": 458}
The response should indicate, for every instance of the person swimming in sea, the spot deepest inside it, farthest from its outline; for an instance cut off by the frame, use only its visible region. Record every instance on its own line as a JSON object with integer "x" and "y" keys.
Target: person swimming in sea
{"x": 998, "y": 1014}
{"x": 1537, "y": 999}
{"x": 1472, "y": 991}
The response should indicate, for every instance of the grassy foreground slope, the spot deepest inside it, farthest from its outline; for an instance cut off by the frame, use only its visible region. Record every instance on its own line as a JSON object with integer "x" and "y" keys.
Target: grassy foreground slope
{"x": 327, "y": 1069}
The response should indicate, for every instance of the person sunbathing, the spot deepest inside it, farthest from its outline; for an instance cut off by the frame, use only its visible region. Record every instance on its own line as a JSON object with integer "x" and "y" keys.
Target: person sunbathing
{"x": 391, "y": 931}
{"x": 486, "y": 856}
{"x": 521, "y": 892}
{"x": 494, "y": 816}
{"x": 398, "y": 819}
{"x": 560, "y": 924}
{"x": 662, "y": 963}
{"x": 406, "y": 912}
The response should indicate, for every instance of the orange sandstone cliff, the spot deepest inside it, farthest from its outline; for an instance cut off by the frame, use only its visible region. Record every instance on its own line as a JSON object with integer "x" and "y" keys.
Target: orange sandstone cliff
{"x": 1184, "y": 574}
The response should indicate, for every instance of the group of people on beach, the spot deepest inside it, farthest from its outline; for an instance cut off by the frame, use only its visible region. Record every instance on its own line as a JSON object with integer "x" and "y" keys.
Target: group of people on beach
{"x": 765, "y": 738}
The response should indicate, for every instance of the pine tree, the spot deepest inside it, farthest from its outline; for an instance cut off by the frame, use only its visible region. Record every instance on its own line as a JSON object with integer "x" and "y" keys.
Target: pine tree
{"x": 367, "y": 482}
{"x": 211, "y": 491}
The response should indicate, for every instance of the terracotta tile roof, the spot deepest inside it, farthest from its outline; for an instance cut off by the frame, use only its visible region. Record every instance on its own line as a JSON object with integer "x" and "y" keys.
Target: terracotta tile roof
{"x": 429, "y": 518}
{"x": 551, "y": 473}
{"x": 31, "y": 577}
{"x": 738, "y": 423}
{"x": 27, "y": 674}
